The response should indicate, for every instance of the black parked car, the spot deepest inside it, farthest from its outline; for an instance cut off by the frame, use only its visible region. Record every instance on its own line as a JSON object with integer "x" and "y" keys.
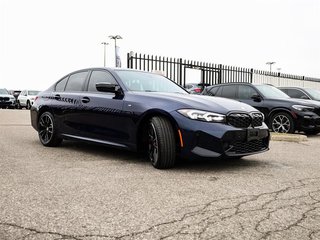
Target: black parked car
{"x": 303, "y": 93}
{"x": 138, "y": 110}
{"x": 282, "y": 113}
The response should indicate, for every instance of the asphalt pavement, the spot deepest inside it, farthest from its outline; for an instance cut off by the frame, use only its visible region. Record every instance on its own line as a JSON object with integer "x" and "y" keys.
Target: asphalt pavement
{"x": 83, "y": 191}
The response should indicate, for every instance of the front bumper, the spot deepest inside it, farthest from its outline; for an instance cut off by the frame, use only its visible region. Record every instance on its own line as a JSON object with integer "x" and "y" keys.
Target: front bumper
{"x": 308, "y": 121}
{"x": 9, "y": 103}
{"x": 214, "y": 140}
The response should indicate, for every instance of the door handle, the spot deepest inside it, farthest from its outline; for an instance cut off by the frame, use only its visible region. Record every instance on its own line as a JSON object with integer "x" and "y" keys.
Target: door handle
{"x": 57, "y": 97}
{"x": 85, "y": 100}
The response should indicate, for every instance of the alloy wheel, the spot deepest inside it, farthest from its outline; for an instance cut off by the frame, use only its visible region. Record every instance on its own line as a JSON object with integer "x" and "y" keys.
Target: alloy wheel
{"x": 153, "y": 145}
{"x": 281, "y": 124}
{"x": 45, "y": 128}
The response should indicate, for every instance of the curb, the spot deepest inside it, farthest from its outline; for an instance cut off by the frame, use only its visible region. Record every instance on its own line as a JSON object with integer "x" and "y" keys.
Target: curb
{"x": 288, "y": 137}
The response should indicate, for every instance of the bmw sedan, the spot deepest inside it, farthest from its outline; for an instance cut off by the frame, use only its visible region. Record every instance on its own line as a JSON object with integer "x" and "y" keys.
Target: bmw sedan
{"x": 147, "y": 112}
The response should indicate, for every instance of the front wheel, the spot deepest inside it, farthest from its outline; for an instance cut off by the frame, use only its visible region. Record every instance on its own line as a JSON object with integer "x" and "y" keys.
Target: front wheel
{"x": 47, "y": 130}
{"x": 161, "y": 143}
{"x": 282, "y": 122}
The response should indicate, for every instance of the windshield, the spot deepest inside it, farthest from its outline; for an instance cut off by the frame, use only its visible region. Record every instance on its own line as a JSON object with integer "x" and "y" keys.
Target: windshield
{"x": 315, "y": 94}
{"x": 269, "y": 91}
{"x": 34, "y": 93}
{"x": 3, "y": 91}
{"x": 148, "y": 82}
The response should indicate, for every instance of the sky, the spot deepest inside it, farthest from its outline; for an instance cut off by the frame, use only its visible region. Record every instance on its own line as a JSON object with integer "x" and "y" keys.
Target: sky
{"x": 43, "y": 40}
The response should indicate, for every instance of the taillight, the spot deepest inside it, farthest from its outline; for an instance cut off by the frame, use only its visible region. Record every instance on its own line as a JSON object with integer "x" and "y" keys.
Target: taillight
{"x": 197, "y": 90}
{"x": 36, "y": 98}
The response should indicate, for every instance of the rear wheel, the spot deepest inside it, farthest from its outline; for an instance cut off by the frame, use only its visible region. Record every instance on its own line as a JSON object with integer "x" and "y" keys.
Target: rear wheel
{"x": 161, "y": 143}
{"x": 47, "y": 130}
{"x": 28, "y": 106}
{"x": 282, "y": 122}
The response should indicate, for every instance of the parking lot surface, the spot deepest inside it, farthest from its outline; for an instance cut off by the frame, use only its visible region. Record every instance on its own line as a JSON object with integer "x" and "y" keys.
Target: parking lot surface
{"x": 84, "y": 191}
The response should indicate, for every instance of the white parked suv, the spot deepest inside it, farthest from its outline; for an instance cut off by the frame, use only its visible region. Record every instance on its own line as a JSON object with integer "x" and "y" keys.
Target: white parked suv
{"x": 26, "y": 98}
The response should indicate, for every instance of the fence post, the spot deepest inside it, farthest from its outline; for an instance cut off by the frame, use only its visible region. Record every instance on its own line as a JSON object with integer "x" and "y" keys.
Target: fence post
{"x": 251, "y": 75}
{"x": 220, "y": 74}
{"x": 129, "y": 59}
{"x": 180, "y": 72}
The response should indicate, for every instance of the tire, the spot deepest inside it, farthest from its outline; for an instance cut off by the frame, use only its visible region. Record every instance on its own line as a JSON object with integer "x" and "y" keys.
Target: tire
{"x": 47, "y": 130}
{"x": 282, "y": 122}
{"x": 19, "y": 105}
{"x": 28, "y": 106}
{"x": 161, "y": 143}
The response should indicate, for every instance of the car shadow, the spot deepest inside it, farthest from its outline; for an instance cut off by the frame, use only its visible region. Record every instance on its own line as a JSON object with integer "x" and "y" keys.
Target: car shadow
{"x": 124, "y": 157}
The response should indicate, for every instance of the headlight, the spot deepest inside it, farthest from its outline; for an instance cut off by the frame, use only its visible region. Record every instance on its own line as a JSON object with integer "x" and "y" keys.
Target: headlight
{"x": 303, "y": 108}
{"x": 202, "y": 115}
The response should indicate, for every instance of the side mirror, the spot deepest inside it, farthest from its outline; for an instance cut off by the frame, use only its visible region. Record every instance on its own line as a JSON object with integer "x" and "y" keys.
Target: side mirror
{"x": 256, "y": 98}
{"x": 107, "y": 87}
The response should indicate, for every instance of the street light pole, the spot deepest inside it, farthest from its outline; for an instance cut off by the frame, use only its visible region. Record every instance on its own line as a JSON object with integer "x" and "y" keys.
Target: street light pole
{"x": 270, "y": 64}
{"x": 104, "y": 53}
{"x": 115, "y": 37}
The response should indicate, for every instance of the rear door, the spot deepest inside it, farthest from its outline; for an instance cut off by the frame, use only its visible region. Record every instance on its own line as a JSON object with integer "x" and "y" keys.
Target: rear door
{"x": 102, "y": 117}
{"x": 66, "y": 102}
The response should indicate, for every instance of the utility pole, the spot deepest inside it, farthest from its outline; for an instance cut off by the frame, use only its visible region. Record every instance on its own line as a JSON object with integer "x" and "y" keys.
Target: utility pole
{"x": 104, "y": 53}
{"x": 115, "y": 37}
{"x": 270, "y": 64}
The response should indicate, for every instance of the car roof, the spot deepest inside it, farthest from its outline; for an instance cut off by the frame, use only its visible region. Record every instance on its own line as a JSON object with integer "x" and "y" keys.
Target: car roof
{"x": 293, "y": 87}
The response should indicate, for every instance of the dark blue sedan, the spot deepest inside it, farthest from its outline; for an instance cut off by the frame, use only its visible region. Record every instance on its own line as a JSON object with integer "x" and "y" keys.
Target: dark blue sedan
{"x": 142, "y": 111}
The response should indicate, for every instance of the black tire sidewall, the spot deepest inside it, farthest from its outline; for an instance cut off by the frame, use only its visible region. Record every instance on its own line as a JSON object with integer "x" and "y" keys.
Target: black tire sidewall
{"x": 166, "y": 142}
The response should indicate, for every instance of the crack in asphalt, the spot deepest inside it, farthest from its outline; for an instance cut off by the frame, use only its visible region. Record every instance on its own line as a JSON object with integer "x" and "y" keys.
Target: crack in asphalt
{"x": 262, "y": 214}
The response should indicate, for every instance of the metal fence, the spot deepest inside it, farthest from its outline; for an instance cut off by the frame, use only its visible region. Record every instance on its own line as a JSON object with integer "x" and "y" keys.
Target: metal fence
{"x": 176, "y": 68}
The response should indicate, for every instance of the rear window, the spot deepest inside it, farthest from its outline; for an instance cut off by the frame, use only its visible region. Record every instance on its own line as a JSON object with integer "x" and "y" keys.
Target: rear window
{"x": 228, "y": 91}
{"x": 61, "y": 85}
{"x": 76, "y": 81}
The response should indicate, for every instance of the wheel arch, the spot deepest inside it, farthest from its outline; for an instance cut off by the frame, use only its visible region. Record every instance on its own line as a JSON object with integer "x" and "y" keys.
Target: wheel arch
{"x": 145, "y": 120}
{"x": 42, "y": 110}
{"x": 277, "y": 110}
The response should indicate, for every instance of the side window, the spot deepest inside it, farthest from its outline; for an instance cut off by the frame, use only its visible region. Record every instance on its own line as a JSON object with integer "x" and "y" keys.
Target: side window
{"x": 61, "y": 84}
{"x": 76, "y": 81}
{"x": 213, "y": 91}
{"x": 297, "y": 94}
{"x": 219, "y": 92}
{"x": 246, "y": 92}
{"x": 229, "y": 91}
{"x": 98, "y": 77}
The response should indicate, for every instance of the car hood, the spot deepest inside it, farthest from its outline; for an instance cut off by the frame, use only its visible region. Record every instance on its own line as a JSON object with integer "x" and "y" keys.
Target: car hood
{"x": 308, "y": 102}
{"x": 174, "y": 101}
{"x": 6, "y": 95}
{"x": 298, "y": 101}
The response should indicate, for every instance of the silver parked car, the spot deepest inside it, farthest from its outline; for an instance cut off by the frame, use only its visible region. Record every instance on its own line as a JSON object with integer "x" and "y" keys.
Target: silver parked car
{"x": 26, "y": 98}
{"x": 6, "y": 100}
